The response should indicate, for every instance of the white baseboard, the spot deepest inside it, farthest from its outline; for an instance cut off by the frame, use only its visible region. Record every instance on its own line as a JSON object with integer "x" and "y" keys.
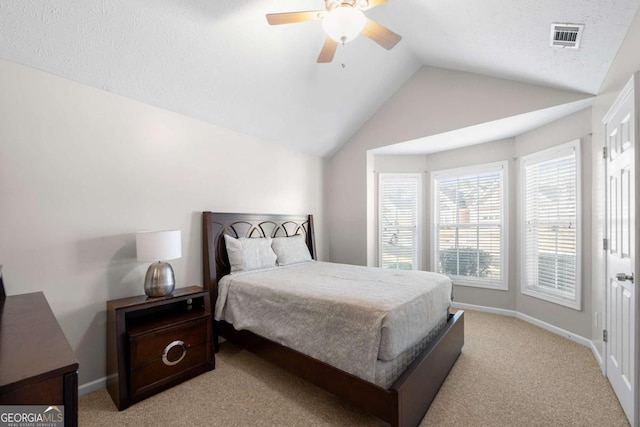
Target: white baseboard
{"x": 484, "y": 309}
{"x": 554, "y": 329}
{"x": 539, "y": 323}
{"x": 598, "y": 356}
{"x": 92, "y": 386}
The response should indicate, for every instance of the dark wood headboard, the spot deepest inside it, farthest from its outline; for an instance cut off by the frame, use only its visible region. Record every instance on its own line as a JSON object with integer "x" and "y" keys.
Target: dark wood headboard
{"x": 215, "y": 262}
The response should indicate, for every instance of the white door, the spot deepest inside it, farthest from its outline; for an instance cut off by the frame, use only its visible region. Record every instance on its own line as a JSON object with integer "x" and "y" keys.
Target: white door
{"x": 620, "y": 133}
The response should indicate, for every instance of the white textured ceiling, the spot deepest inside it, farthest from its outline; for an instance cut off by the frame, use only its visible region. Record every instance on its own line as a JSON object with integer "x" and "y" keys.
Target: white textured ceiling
{"x": 221, "y": 62}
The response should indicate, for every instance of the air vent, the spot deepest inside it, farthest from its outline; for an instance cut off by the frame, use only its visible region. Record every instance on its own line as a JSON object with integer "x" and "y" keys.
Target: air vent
{"x": 566, "y": 35}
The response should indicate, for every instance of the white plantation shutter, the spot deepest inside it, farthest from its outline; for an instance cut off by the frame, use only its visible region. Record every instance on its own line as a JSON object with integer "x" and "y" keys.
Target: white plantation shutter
{"x": 398, "y": 196}
{"x": 470, "y": 217}
{"x": 551, "y": 203}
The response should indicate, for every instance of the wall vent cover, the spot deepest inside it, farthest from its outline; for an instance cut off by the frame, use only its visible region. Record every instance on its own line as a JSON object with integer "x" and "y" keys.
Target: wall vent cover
{"x": 566, "y": 35}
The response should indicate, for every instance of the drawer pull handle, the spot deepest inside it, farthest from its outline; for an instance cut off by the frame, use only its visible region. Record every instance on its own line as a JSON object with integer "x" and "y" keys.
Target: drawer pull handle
{"x": 168, "y": 348}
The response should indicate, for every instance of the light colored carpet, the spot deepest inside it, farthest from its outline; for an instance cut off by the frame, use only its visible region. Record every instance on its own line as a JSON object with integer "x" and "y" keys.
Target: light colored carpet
{"x": 510, "y": 373}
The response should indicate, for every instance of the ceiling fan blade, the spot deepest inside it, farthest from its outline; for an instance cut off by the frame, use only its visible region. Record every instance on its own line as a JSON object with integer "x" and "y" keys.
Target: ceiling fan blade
{"x": 373, "y": 3}
{"x": 381, "y": 35}
{"x": 293, "y": 17}
{"x": 328, "y": 50}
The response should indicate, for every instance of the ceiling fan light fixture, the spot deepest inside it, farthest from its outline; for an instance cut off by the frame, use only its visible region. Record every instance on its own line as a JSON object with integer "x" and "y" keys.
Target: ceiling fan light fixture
{"x": 344, "y": 23}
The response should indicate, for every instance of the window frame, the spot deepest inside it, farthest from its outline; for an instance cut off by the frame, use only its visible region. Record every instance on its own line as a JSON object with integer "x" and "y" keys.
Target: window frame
{"x": 539, "y": 157}
{"x": 503, "y": 284}
{"x": 418, "y": 250}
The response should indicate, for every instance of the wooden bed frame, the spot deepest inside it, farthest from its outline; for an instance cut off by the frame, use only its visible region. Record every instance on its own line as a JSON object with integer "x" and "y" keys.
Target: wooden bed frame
{"x": 404, "y": 404}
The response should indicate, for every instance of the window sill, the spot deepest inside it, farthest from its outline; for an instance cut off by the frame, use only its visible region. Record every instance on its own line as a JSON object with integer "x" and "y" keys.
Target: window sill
{"x": 575, "y": 305}
{"x": 479, "y": 284}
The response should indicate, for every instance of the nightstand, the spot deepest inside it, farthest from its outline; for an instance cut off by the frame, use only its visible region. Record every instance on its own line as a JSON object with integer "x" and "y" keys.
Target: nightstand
{"x": 156, "y": 343}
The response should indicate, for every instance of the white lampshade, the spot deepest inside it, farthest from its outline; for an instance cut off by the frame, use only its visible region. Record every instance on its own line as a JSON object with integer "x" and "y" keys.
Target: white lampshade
{"x": 344, "y": 23}
{"x": 158, "y": 245}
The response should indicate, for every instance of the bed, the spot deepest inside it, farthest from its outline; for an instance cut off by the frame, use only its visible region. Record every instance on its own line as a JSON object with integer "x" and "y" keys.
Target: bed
{"x": 402, "y": 401}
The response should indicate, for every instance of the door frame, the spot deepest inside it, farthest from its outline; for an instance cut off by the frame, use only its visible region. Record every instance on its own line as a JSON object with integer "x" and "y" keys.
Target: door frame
{"x": 633, "y": 85}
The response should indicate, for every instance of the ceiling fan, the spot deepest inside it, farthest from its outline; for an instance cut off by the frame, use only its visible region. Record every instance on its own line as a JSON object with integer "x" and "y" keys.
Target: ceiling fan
{"x": 343, "y": 20}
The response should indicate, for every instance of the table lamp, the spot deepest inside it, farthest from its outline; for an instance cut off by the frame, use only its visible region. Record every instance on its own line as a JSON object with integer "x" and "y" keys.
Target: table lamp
{"x": 158, "y": 246}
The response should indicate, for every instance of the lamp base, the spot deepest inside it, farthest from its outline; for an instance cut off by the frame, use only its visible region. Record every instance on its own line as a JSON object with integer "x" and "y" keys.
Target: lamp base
{"x": 159, "y": 280}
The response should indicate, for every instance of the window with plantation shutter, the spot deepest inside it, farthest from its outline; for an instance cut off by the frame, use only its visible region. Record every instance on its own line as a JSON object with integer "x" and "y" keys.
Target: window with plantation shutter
{"x": 551, "y": 201}
{"x": 470, "y": 217}
{"x": 398, "y": 218}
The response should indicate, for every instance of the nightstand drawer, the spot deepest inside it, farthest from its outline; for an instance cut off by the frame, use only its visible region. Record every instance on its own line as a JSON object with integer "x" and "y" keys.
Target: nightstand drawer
{"x": 169, "y": 342}
{"x": 157, "y": 371}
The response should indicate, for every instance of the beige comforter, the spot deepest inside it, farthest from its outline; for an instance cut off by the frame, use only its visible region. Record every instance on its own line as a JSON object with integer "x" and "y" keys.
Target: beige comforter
{"x": 347, "y": 316}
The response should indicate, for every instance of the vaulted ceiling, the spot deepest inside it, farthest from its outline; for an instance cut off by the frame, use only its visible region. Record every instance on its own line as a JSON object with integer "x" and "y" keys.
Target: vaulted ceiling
{"x": 219, "y": 61}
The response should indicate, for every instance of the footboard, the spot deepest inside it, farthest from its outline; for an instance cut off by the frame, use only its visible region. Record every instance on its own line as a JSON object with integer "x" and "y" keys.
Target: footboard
{"x": 419, "y": 384}
{"x": 404, "y": 404}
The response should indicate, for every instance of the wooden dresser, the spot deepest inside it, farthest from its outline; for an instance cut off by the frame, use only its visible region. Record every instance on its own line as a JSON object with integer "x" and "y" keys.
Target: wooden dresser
{"x": 37, "y": 365}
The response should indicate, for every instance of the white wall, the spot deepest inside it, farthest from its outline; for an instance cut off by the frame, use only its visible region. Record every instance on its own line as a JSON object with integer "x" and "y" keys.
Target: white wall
{"x": 81, "y": 170}
{"x": 626, "y": 62}
{"x": 432, "y": 101}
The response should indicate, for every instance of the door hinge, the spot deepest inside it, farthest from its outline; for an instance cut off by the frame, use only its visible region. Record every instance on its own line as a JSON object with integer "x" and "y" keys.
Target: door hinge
{"x": 604, "y": 152}
{"x": 605, "y": 244}
{"x": 605, "y": 336}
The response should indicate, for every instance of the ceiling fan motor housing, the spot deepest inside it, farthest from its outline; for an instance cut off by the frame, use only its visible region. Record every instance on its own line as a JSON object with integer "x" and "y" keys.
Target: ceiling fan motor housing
{"x": 334, "y": 4}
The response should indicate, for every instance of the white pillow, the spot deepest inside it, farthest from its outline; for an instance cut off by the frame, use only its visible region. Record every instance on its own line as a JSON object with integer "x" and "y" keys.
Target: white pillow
{"x": 246, "y": 254}
{"x": 291, "y": 250}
